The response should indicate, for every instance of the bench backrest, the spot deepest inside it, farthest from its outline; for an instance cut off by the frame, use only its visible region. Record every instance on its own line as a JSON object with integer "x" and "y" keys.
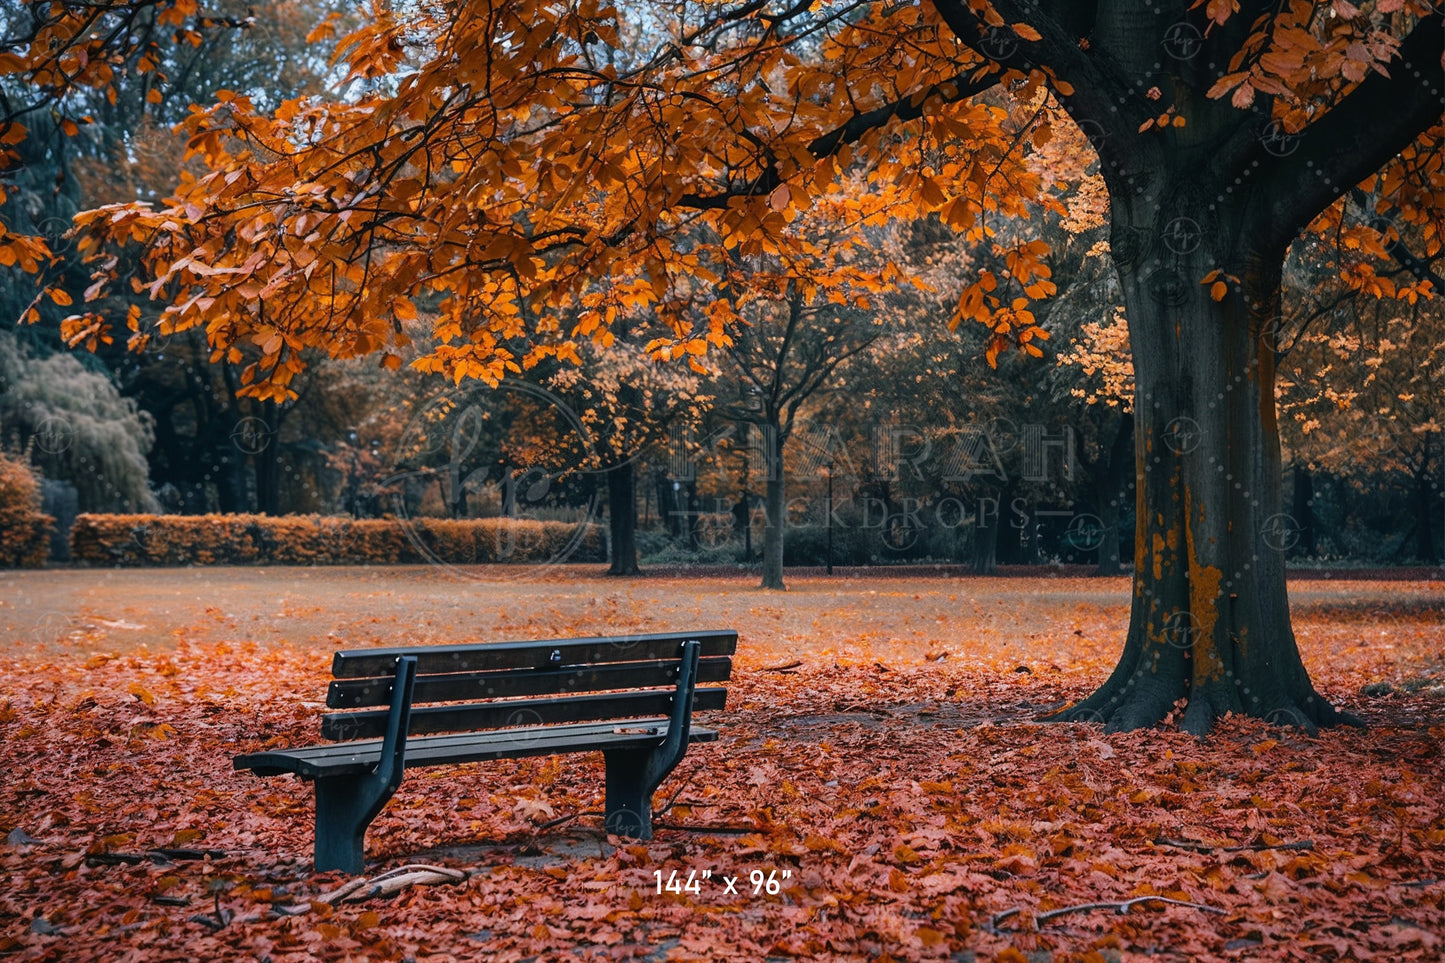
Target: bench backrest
{"x": 496, "y": 686}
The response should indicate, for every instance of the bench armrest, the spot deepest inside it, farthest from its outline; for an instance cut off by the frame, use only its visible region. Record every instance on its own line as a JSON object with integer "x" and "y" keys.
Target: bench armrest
{"x": 680, "y": 725}
{"x": 393, "y": 747}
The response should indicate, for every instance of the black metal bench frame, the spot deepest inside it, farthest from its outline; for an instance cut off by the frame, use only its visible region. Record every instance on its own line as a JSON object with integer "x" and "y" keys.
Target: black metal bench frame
{"x": 356, "y": 777}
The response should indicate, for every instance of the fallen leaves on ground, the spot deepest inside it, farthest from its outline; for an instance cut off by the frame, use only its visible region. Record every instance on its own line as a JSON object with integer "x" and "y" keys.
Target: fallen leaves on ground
{"x": 863, "y": 807}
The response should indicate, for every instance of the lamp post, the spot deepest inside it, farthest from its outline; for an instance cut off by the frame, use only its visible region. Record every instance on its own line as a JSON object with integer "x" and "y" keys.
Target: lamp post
{"x": 829, "y": 468}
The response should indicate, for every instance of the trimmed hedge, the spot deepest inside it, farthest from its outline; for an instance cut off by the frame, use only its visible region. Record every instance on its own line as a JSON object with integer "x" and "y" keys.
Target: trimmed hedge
{"x": 24, "y": 530}
{"x": 326, "y": 540}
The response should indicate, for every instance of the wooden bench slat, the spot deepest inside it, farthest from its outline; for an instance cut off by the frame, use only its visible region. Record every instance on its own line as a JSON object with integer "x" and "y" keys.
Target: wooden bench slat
{"x": 456, "y": 687}
{"x": 310, "y": 762}
{"x": 431, "y": 659}
{"x": 495, "y": 715}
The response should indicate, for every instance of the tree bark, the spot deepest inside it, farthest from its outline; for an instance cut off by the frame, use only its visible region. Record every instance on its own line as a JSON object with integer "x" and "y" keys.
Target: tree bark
{"x": 622, "y": 518}
{"x": 775, "y": 505}
{"x": 1210, "y": 613}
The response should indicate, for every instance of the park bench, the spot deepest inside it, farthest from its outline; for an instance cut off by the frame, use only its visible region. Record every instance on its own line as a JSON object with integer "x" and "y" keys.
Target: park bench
{"x": 629, "y": 697}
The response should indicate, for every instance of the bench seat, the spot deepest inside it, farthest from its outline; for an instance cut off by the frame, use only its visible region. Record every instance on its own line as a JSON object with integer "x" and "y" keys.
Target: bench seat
{"x": 350, "y": 758}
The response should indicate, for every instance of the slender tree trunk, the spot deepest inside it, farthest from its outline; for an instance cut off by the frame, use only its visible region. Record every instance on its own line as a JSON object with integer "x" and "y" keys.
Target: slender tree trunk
{"x": 667, "y": 510}
{"x": 1304, "y": 511}
{"x": 985, "y": 537}
{"x": 775, "y": 503}
{"x": 622, "y": 518}
{"x": 1110, "y": 480}
{"x": 1425, "y": 498}
{"x": 267, "y": 463}
{"x": 1210, "y": 613}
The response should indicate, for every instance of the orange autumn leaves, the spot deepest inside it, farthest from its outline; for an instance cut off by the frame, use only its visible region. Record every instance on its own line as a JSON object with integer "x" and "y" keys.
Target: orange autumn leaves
{"x": 918, "y": 808}
{"x": 528, "y": 174}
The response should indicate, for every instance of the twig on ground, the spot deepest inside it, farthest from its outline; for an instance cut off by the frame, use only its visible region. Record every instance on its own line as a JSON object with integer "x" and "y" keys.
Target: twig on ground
{"x": 719, "y": 830}
{"x": 668, "y": 805}
{"x": 1120, "y": 908}
{"x": 1198, "y": 847}
{"x": 392, "y": 881}
{"x": 560, "y": 820}
{"x": 217, "y": 922}
{"x": 160, "y": 857}
{"x": 786, "y": 667}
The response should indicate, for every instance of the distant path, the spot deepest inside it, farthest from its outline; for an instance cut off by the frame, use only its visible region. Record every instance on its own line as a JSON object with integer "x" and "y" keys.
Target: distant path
{"x": 882, "y": 614}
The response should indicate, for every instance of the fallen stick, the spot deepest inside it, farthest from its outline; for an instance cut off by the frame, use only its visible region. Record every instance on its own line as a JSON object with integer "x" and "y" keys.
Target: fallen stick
{"x": 390, "y": 882}
{"x": 160, "y": 857}
{"x": 1199, "y": 847}
{"x": 1120, "y": 908}
{"x": 783, "y": 668}
{"x": 716, "y": 830}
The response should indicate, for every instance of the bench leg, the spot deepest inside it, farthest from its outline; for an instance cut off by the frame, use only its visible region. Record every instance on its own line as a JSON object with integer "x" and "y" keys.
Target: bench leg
{"x": 345, "y": 806}
{"x": 631, "y": 780}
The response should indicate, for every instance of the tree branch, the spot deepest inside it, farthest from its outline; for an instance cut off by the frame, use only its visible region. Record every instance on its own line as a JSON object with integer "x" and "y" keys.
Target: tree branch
{"x": 1373, "y": 123}
{"x": 907, "y": 108}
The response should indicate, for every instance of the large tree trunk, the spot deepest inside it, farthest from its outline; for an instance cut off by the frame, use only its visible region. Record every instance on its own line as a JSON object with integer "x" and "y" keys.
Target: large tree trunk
{"x": 1210, "y": 619}
{"x": 1217, "y": 189}
{"x": 622, "y": 518}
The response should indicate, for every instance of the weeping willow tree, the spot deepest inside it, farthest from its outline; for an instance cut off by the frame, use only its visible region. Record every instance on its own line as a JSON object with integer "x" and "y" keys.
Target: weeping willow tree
{"x": 76, "y": 427}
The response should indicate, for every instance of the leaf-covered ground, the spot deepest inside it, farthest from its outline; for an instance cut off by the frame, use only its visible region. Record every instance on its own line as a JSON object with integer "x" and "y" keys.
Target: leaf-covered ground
{"x": 881, "y": 765}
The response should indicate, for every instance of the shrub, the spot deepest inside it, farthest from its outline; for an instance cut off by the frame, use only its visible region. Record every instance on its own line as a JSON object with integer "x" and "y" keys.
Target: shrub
{"x": 24, "y": 531}
{"x": 325, "y": 540}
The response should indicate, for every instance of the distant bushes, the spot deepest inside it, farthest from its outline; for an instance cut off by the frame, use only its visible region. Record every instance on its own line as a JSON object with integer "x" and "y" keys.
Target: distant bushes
{"x": 24, "y": 530}
{"x": 326, "y": 540}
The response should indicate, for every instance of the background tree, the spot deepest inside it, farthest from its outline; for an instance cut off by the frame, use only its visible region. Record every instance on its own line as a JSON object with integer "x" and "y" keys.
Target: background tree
{"x": 629, "y": 402}
{"x": 76, "y": 427}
